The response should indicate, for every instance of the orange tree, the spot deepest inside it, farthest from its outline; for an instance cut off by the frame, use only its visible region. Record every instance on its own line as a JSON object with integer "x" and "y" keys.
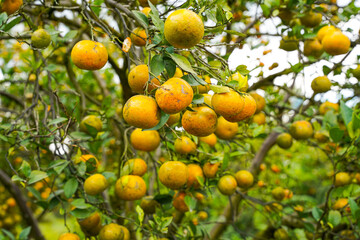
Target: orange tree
{"x": 124, "y": 120}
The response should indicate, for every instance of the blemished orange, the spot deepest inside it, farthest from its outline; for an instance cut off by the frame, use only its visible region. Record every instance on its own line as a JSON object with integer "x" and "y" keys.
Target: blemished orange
{"x": 69, "y": 236}
{"x": 325, "y": 31}
{"x": 284, "y": 140}
{"x": 248, "y": 110}
{"x": 210, "y": 169}
{"x": 174, "y": 95}
{"x": 259, "y": 118}
{"x": 173, "y": 119}
{"x": 92, "y": 121}
{"x": 210, "y": 140}
{"x": 11, "y": 6}
{"x": 336, "y": 43}
{"x": 194, "y": 173}
{"x": 138, "y": 79}
{"x": 203, "y": 88}
{"x": 146, "y": 141}
{"x": 201, "y": 122}
{"x": 227, "y": 185}
{"x": 311, "y": 19}
{"x": 327, "y": 106}
{"x": 136, "y": 166}
{"x": 91, "y": 162}
{"x": 260, "y": 101}
{"x": 313, "y": 47}
{"x": 130, "y": 187}
{"x": 226, "y": 130}
{"x": 111, "y": 231}
{"x": 227, "y": 104}
{"x": 95, "y": 184}
{"x": 89, "y": 55}
{"x": 179, "y": 202}
{"x": 183, "y": 28}
{"x": 142, "y": 112}
{"x": 138, "y": 36}
{"x": 173, "y": 174}
{"x": 301, "y": 129}
{"x": 244, "y": 179}
{"x": 342, "y": 179}
{"x": 144, "y": 3}
{"x": 184, "y": 145}
{"x": 321, "y": 84}
{"x": 90, "y": 222}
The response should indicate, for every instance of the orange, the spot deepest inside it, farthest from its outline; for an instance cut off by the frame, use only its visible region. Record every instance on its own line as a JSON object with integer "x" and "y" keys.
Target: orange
{"x": 242, "y": 81}
{"x": 311, "y": 19}
{"x": 321, "y": 137}
{"x": 278, "y": 193}
{"x": 247, "y": 111}
{"x": 95, "y": 184}
{"x": 261, "y": 183}
{"x": 145, "y": 140}
{"x": 342, "y": 179}
{"x": 301, "y": 130}
{"x": 210, "y": 169}
{"x": 138, "y": 36}
{"x": 275, "y": 168}
{"x": 286, "y": 15}
{"x": 313, "y": 47}
{"x": 87, "y": 224}
{"x": 92, "y": 121}
{"x": 340, "y": 203}
{"x": 173, "y": 174}
{"x": 146, "y": 11}
{"x": 336, "y": 43}
{"x": 284, "y": 140}
{"x": 202, "y": 122}
{"x": 227, "y": 185}
{"x": 179, "y": 202}
{"x": 174, "y": 95}
{"x": 260, "y": 101}
{"x": 11, "y": 6}
{"x": 142, "y": 112}
{"x": 321, "y": 84}
{"x": 194, "y": 174}
{"x": 144, "y": 3}
{"x": 173, "y": 119}
{"x": 130, "y": 187}
{"x": 207, "y": 99}
{"x": 288, "y": 194}
{"x": 126, "y": 233}
{"x": 89, "y": 55}
{"x": 138, "y": 79}
{"x": 244, "y": 179}
{"x": 111, "y": 231}
{"x": 226, "y": 130}
{"x": 69, "y": 236}
{"x": 203, "y": 88}
{"x": 210, "y": 140}
{"x": 327, "y": 106}
{"x": 184, "y": 145}
{"x": 136, "y": 166}
{"x": 259, "y": 118}
{"x": 91, "y": 162}
{"x": 40, "y": 39}
{"x": 202, "y": 215}
{"x": 183, "y": 28}
{"x": 11, "y": 202}
{"x": 289, "y": 44}
{"x": 262, "y": 167}
{"x": 178, "y": 73}
{"x": 325, "y": 31}
{"x": 227, "y": 104}
{"x": 355, "y": 72}
{"x": 149, "y": 204}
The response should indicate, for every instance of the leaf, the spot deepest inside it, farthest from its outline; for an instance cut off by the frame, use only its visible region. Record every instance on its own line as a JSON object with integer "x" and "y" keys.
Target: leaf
{"x": 225, "y": 161}
{"x": 80, "y": 136}
{"x": 355, "y": 210}
{"x": 82, "y": 213}
{"x": 80, "y": 203}
{"x": 3, "y": 17}
{"x": 170, "y": 67}
{"x": 317, "y": 212}
{"x": 154, "y": 14}
{"x": 198, "y": 99}
{"x": 163, "y": 119}
{"x": 219, "y": 89}
{"x": 190, "y": 202}
{"x": 233, "y": 32}
{"x": 58, "y": 120}
{"x": 144, "y": 21}
{"x": 163, "y": 198}
{"x": 70, "y": 35}
{"x": 242, "y": 69}
{"x": 25, "y": 168}
{"x": 36, "y": 176}
{"x": 157, "y": 65}
{"x": 193, "y": 81}
{"x": 258, "y": 130}
{"x": 70, "y": 187}
{"x": 346, "y": 112}
{"x": 25, "y": 233}
{"x": 141, "y": 214}
{"x": 334, "y": 217}
{"x": 182, "y": 62}
{"x": 12, "y": 24}
{"x": 336, "y": 134}
{"x": 326, "y": 70}
{"x": 8, "y": 233}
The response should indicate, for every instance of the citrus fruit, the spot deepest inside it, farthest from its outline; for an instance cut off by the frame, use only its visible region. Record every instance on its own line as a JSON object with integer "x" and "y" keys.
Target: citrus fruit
{"x": 210, "y": 169}
{"x": 130, "y": 187}
{"x": 325, "y": 31}
{"x": 194, "y": 174}
{"x": 111, "y": 231}
{"x": 260, "y": 101}
{"x": 40, "y": 39}
{"x": 126, "y": 233}
{"x": 227, "y": 104}
{"x": 242, "y": 81}
{"x": 203, "y": 215}
{"x": 342, "y": 178}
{"x": 146, "y": 141}
{"x": 289, "y": 43}
{"x": 138, "y": 36}
{"x": 173, "y": 119}
{"x": 183, "y": 28}
{"x": 200, "y": 122}
{"x": 278, "y": 193}
{"x": 259, "y": 118}
{"x": 203, "y": 88}
{"x": 336, "y": 43}
{"x": 284, "y": 140}
{"x": 11, "y": 6}
{"x": 95, "y": 184}
{"x": 321, "y": 84}
{"x": 327, "y": 106}
{"x": 89, "y": 122}
{"x": 178, "y": 73}
{"x": 288, "y": 194}
{"x": 146, "y": 11}
{"x": 138, "y": 79}
{"x": 301, "y": 130}
{"x": 244, "y": 179}
{"x": 89, "y": 223}
{"x": 144, "y": 3}
{"x": 91, "y": 162}
{"x": 136, "y": 166}
{"x": 174, "y": 95}
{"x": 313, "y": 47}
{"x": 321, "y": 137}
{"x": 226, "y": 130}
{"x": 311, "y": 19}
{"x": 207, "y": 100}
{"x": 179, "y": 202}
{"x": 281, "y": 234}
{"x": 173, "y": 174}
{"x": 89, "y": 55}
{"x": 286, "y": 15}
{"x": 248, "y": 110}
{"x": 141, "y": 111}
{"x": 210, "y": 140}
{"x": 69, "y": 236}
{"x": 184, "y": 145}
{"x": 227, "y": 185}
{"x": 149, "y": 204}
{"x": 340, "y": 203}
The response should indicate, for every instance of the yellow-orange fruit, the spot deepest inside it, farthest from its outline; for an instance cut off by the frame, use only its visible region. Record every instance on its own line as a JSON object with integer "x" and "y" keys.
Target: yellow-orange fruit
{"x": 311, "y": 19}
{"x": 227, "y": 185}
{"x": 210, "y": 169}
{"x": 89, "y": 55}
{"x": 313, "y": 47}
{"x": 138, "y": 79}
{"x": 325, "y": 31}
{"x": 284, "y": 140}
{"x": 321, "y": 84}
{"x": 227, "y": 104}
{"x": 226, "y": 130}
{"x": 69, "y": 236}
{"x": 136, "y": 166}
{"x": 179, "y": 202}
{"x": 184, "y": 145}
{"x": 130, "y": 187}
{"x": 260, "y": 101}
{"x": 248, "y": 110}
{"x": 327, "y": 106}
{"x": 200, "y": 122}
{"x": 173, "y": 174}
{"x": 194, "y": 174}
{"x": 173, "y": 119}
{"x": 336, "y": 43}
{"x": 259, "y": 118}
{"x": 11, "y": 6}
{"x": 342, "y": 179}
{"x": 138, "y": 37}
{"x": 145, "y": 140}
{"x": 244, "y": 179}
{"x": 210, "y": 140}
{"x": 301, "y": 130}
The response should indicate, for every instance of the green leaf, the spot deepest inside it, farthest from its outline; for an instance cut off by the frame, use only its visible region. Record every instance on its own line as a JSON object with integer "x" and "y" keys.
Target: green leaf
{"x": 8, "y": 233}
{"x": 266, "y": 10}
{"x": 58, "y": 120}
{"x": 225, "y": 161}
{"x": 170, "y": 67}
{"x": 12, "y": 24}
{"x": 25, "y": 168}
{"x": 70, "y": 187}
{"x": 3, "y": 17}
{"x": 242, "y": 69}
{"x": 70, "y": 35}
{"x": 2, "y": 137}
{"x": 157, "y": 65}
{"x": 25, "y": 233}
{"x": 80, "y": 136}
{"x": 163, "y": 119}
{"x": 355, "y": 210}
{"x": 142, "y": 18}
{"x": 334, "y": 217}
{"x": 82, "y": 213}
{"x": 346, "y": 112}
{"x": 258, "y": 130}
{"x": 193, "y": 80}
{"x": 219, "y": 89}
{"x": 36, "y": 176}
{"x": 190, "y": 202}
{"x": 336, "y": 134}
{"x": 141, "y": 214}
{"x": 80, "y": 203}
{"x": 326, "y": 70}
{"x": 198, "y": 99}
{"x": 182, "y": 62}
{"x": 154, "y": 14}
{"x": 163, "y": 198}
{"x": 233, "y": 32}
{"x": 317, "y": 212}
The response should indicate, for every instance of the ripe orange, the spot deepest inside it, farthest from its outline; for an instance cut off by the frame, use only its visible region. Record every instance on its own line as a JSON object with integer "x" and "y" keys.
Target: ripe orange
{"x": 288, "y": 44}
{"x": 136, "y": 166}
{"x": 95, "y": 184}
{"x": 203, "y": 88}
{"x": 179, "y": 202}
{"x": 325, "y": 31}
{"x": 242, "y": 81}
{"x": 327, "y": 106}
{"x": 200, "y": 123}
{"x": 146, "y": 10}
{"x": 342, "y": 178}
{"x": 262, "y": 167}
{"x": 89, "y": 223}
{"x": 275, "y": 168}
{"x": 173, "y": 174}
{"x": 207, "y": 100}
{"x": 247, "y": 111}
{"x": 11, "y": 202}
{"x": 210, "y": 140}
{"x": 138, "y": 36}
{"x": 130, "y": 187}
{"x": 194, "y": 174}
{"x": 173, "y": 119}
{"x": 149, "y": 204}
{"x": 40, "y": 39}
{"x": 146, "y": 141}
{"x": 261, "y": 183}
{"x": 178, "y": 73}
{"x": 183, "y": 28}
{"x": 259, "y": 118}
{"x": 288, "y": 194}
{"x": 336, "y": 43}
{"x": 141, "y": 111}
{"x": 260, "y": 101}
{"x": 111, "y": 231}
{"x": 227, "y": 185}
{"x": 125, "y": 232}
{"x": 340, "y": 203}
{"x": 184, "y": 145}
{"x": 311, "y": 19}
{"x": 284, "y": 140}
{"x": 226, "y": 130}
{"x": 278, "y": 193}
{"x": 227, "y": 104}
{"x": 174, "y": 95}
{"x": 202, "y": 215}
{"x": 91, "y": 162}
{"x": 89, "y": 55}
{"x": 313, "y": 47}
{"x": 301, "y": 130}
{"x": 144, "y": 3}
{"x": 210, "y": 169}
{"x": 92, "y": 121}
{"x": 11, "y": 6}
{"x": 69, "y": 236}
{"x": 138, "y": 79}
{"x": 321, "y": 137}
{"x": 244, "y": 179}
{"x": 321, "y": 84}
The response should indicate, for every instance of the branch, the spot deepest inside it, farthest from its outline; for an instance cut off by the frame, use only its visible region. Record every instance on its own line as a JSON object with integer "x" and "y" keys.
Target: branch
{"x": 12, "y": 97}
